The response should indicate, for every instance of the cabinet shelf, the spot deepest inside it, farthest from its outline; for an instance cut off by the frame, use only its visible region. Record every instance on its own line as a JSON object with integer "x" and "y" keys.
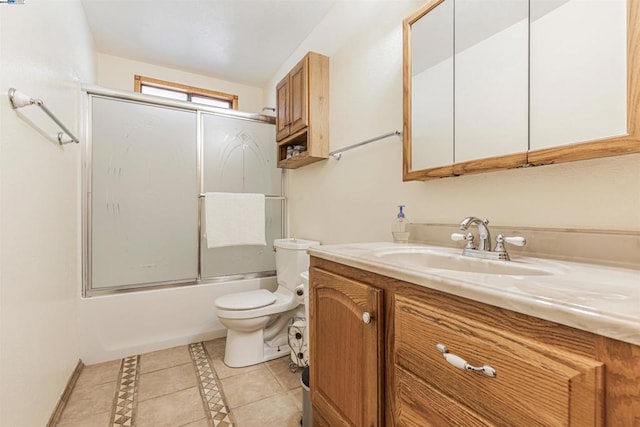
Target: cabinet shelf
{"x": 304, "y": 158}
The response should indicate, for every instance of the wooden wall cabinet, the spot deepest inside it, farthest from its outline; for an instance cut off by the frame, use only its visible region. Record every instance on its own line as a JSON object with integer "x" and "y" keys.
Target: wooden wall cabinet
{"x": 516, "y": 96}
{"x": 547, "y": 374}
{"x": 302, "y": 113}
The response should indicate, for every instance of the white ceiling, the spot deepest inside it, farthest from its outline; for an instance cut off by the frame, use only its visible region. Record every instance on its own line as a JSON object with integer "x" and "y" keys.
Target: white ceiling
{"x": 243, "y": 41}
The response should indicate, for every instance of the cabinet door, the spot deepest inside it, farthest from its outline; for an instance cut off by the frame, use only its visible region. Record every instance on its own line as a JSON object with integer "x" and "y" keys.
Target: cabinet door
{"x": 282, "y": 110}
{"x": 346, "y": 351}
{"x": 298, "y": 97}
{"x": 579, "y": 86}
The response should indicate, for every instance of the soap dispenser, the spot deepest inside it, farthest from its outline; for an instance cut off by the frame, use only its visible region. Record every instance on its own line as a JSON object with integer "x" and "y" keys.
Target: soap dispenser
{"x": 399, "y": 228}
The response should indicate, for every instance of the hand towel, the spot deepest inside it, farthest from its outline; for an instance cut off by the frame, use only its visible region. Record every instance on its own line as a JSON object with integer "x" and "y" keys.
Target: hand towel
{"x": 234, "y": 219}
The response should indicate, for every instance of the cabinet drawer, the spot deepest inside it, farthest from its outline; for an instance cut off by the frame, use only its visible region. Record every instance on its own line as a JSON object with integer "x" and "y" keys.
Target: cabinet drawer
{"x": 440, "y": 411}
{"x": 535, "y": 385}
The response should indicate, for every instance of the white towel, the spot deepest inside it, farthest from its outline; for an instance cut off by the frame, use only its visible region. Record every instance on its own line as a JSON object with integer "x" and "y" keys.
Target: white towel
{"x": 234, "y": 219}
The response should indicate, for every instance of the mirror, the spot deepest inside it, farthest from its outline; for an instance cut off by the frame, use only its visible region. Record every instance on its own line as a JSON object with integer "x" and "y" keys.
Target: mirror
{"x": 497, "y": 84}
{"x": 432, "y": 73}
{"x": 578, "y": 86}
{"x": 490, "y": 71}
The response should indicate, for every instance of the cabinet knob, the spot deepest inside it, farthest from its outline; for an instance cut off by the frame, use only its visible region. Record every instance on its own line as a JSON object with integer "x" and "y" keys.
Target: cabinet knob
{"x": 460, "y": 363}
{"x": 366, "y": 317}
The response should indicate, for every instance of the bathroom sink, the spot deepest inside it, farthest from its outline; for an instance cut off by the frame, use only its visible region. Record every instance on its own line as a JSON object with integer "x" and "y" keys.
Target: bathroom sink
{"x": 451, "y": 259}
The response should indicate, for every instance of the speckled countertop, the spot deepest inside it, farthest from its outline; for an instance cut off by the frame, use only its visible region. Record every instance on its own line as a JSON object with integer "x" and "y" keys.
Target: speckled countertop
{"x": 602, "y": 300}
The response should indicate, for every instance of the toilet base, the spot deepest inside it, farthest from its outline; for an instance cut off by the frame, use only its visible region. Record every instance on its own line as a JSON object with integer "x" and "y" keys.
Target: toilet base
{"x": 246, "y": 349}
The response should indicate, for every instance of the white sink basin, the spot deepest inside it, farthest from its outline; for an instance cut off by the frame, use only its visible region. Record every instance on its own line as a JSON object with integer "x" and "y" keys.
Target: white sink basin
{"x": 451, "y": 259}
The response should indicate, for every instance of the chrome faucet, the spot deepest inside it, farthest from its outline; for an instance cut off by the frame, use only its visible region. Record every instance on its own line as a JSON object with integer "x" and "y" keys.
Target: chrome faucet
{"x": 484, "y": 235}
{"x": 483, "y": 231}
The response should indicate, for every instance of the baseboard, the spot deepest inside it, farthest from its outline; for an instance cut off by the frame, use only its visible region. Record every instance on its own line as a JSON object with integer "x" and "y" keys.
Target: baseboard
{"x": 57, "y": 413}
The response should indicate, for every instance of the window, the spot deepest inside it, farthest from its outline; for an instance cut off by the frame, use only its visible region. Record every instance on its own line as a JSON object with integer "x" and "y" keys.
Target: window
{"x": 150, "y": 86}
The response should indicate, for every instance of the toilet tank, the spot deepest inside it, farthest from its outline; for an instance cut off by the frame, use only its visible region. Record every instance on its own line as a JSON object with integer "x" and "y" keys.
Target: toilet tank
{"x": 291, "y": 260}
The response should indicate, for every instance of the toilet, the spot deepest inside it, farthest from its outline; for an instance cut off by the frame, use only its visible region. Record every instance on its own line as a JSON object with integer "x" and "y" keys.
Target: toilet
{"x": 257, "y": 321}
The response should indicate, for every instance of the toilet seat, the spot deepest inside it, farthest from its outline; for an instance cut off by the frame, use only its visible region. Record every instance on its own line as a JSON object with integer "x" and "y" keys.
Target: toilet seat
{"x": 246, "y": 300}
{"x": 284, "y": 300}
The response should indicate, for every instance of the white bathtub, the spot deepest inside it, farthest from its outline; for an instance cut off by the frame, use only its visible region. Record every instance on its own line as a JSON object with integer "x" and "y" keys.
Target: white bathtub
{"x": 116, "y": 326}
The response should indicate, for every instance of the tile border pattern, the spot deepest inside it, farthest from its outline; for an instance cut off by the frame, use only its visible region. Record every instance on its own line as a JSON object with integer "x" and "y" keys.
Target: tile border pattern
{"x": 125, "y": 401}
{"x": 213, "y": 400}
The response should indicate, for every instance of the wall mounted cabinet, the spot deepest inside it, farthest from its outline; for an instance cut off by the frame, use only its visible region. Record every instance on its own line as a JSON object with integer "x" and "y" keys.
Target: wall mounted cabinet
{"x": 503, "y": 84}
{"x": 302, "y": 114}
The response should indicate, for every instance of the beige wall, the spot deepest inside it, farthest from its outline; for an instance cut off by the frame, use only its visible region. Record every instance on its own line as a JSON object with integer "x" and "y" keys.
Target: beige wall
{"x": 355, "y": 199}
{"x": 117, "y": 73}
{"x": 46, "y": 52}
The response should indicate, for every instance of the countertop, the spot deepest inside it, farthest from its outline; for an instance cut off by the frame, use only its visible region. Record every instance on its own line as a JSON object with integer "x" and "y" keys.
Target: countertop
{"x": 597, "y": 299}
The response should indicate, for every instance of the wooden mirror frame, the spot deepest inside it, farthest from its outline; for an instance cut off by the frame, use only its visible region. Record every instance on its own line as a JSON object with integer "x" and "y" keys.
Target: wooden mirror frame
{"x": 614, "y": 146}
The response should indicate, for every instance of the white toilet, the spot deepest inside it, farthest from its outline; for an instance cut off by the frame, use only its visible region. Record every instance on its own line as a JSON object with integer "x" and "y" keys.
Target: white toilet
{"x": 257, "y": 321}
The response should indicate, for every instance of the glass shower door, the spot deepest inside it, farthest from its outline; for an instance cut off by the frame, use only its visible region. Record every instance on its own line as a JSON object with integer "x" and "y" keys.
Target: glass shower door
{"x": 239, "y": 157}
{"x": 143, "y": 200}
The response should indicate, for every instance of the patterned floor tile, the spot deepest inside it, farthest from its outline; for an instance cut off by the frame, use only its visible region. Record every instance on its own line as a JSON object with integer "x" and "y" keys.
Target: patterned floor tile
{"x": 213, "y": 399}
{"x": 125, "y": 400}
{"x": 119, "y": 401}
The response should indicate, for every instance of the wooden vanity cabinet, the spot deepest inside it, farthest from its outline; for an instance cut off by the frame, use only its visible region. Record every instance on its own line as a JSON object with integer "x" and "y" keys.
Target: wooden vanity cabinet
{"x": 302, "y": 113}
{"x": 546, "y": 374}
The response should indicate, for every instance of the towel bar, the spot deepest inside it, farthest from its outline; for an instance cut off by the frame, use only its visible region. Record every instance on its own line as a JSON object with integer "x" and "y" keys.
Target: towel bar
{"x": 266, "y": 197}
{"x": 19, "y": 100}
{"x": 337, "y": 154}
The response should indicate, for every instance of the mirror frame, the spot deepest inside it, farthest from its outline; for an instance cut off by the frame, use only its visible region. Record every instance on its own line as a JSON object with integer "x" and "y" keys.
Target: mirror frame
{"x": 606, "y": 147}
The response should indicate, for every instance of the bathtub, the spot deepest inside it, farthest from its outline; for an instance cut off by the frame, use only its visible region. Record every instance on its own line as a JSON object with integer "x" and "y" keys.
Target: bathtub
{"x": 126, "y": 324}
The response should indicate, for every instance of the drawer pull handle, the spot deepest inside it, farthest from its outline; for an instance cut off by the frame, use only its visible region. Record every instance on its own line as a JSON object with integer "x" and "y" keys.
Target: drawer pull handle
{"x": 460, "y": 363}
{"x": 366, "y": 317}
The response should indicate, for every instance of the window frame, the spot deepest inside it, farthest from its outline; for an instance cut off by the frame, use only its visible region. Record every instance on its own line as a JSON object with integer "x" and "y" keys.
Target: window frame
{"x": 139, "y": 81}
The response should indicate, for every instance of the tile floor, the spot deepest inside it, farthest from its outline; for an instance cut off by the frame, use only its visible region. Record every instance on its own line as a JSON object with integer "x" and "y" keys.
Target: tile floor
{"x": 163, "y": 388}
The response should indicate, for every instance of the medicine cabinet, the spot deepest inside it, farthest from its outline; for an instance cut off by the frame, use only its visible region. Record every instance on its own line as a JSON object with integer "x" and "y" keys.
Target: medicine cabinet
{"x": 510, "y": 83}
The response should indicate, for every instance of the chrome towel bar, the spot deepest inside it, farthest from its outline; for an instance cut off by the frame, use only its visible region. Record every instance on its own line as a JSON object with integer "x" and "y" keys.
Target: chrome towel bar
{"x": 337, "y": 154}
{"x": 19, "y": 100}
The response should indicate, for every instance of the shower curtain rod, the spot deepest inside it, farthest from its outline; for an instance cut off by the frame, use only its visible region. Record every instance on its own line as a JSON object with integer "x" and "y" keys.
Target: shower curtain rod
{"x": 266, "y": 197}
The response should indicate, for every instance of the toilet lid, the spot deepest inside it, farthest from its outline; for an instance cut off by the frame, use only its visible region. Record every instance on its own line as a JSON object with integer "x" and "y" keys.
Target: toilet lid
{"x": 246, "y": 300}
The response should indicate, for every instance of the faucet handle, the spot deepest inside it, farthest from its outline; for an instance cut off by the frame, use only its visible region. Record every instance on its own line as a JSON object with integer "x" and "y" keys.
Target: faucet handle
{"x": 468, "y": 237}
{"x": 458, "y": 236}
{"x": 501, "y": 240}
{"x": 516, "y": 240}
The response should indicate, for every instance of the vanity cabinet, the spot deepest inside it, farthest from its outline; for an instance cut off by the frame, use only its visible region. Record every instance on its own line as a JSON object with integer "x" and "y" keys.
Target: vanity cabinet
{"x": 347, "y": 338}
{"x": 547, "y": 374}
{"x": 302, "y": 113}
